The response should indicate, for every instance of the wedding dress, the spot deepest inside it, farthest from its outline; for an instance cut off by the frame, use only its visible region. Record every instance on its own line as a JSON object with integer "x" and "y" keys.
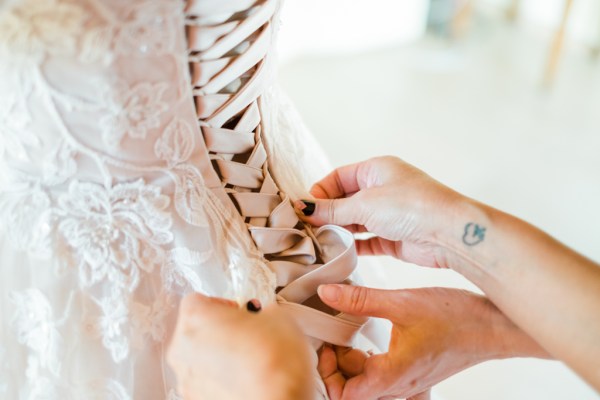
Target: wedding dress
{"x": 144, "y": 155}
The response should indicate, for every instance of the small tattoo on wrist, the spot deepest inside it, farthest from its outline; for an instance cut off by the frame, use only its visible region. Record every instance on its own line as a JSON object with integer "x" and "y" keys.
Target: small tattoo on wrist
{"x": 474, "y": 234}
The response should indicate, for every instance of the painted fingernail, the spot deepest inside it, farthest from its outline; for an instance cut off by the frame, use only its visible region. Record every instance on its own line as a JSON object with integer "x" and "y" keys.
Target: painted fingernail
{"x": 308, "y": 209}
{"x": 253, "y": 305}
{"x": 330, "y": 293}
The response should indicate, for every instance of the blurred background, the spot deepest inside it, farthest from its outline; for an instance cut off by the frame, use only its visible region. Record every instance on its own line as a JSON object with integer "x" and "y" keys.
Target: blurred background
{"x": 499, "y": 99}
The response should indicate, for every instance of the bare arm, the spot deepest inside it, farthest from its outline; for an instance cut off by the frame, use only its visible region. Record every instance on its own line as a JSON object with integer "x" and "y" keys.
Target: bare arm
{"x": 436, "y": 332}
{"x": 547, "y": 289}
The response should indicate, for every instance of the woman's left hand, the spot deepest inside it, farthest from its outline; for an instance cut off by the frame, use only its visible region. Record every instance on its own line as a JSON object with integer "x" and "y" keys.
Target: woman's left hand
{"x": 436, "y": 333}
{"x": 220, "y": 351}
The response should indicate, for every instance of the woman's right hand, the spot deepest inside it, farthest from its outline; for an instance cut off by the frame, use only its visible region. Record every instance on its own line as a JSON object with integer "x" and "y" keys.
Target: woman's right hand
{"x": 407, "y": 210}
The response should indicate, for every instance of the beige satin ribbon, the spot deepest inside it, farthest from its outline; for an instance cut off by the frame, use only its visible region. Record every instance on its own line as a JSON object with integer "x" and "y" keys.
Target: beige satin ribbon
{"x": 233, "y": 53}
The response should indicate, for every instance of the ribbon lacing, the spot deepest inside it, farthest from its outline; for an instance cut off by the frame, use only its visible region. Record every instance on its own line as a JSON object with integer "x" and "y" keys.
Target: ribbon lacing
{"x": 228, "y": 43}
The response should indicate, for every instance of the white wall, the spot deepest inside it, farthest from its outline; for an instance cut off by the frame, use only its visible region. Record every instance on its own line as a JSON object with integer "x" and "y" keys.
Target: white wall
{"x": 338, "y": 26}
{"x": 342, "y": 26}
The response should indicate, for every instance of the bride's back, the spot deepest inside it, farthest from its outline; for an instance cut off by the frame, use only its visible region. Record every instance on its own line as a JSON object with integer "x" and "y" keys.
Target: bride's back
{"x": 106, "y": 210}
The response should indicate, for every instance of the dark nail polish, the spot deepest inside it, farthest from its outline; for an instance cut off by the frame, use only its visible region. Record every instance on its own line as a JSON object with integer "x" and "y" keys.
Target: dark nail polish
{"x": 309, "y": 209}
{"x": 253, "y": 306}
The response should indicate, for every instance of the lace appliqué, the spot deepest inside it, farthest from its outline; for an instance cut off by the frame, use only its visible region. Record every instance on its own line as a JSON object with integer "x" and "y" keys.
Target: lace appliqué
{"x": 176, "y": 144}
{"x": 36, "y": 328}
{"x": 37, "y": 27}
{"x": 132, "y": 112}
{"x": 147, "y": 30}
{"x": 17, "y": 139}
{"x": 115, "y": 232}
{"x": 113, "y": 326}
{"x": 25, "y": 213}
{"x": 178, "y": 273}
{"x": 149, "y": 321}
{"x": 122, "y": 326}
{"x": 33, "y": 28}
{"x": 104, "y": 238}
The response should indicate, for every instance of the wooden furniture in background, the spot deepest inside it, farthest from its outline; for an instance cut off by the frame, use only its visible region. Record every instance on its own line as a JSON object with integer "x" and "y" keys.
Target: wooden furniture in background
{"x": 556, "y": 48}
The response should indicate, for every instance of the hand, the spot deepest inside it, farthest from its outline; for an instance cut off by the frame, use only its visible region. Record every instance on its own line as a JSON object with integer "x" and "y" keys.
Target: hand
{"x": 524, "y": 271}
{"x": 221, "y": 352}
{"x": 436, "y": 333}
{"x": 404, "y": 207}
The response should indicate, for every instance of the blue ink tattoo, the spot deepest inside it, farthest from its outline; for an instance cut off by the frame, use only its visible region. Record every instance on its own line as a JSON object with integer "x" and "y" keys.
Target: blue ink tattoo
{"x": 474, "y": 234}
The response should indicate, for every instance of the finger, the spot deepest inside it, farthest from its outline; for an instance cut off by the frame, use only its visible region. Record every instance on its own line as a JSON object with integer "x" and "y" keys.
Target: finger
{"x": 347, "y": 211}
{"x": 358, "y": 300}
{"x": 339, "y": 183}
{"x": 356, "y": 228}
{"x": 377, "y": 246}
{"x": 332, "y": 378}
{"x": 371, "y": 383}
{"x": 350, "y": 361}
{"x": 426, "y": 395}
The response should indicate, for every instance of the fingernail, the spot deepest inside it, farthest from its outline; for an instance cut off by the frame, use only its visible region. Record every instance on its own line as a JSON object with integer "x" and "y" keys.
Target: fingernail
{"x": 308, "y": 209}
{"x": 330, "y": 293}
{"x": 253, "y": 305}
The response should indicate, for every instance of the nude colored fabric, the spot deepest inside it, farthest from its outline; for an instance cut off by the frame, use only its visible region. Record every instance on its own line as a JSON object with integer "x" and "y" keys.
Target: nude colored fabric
{"x": 227, "y": 117}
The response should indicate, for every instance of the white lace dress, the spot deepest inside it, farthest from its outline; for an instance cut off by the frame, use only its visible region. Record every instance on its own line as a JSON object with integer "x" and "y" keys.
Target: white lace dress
{"x": 105, "y": 217}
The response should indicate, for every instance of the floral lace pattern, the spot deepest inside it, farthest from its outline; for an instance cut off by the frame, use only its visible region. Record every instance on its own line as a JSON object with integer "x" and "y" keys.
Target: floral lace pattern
{"x": 176, "y": 144}
{"x": 106, "y": 210}
{"x": 115, "y": 233}
{"x": 111, "y": 325}
{"x": 36, "y": 328}
{"x": 33, "y": 28}
{"x": 149, "y": 321}
{"x": 25, "y": 212}
{"x": 133, "y": 112}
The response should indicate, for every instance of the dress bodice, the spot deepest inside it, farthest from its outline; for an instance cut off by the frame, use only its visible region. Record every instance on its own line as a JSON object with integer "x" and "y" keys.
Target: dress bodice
{"x": 109, "y": 213}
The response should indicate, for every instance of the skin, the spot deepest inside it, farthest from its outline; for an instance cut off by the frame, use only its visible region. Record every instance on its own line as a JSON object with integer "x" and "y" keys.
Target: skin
{"x": 549, "y": 291}
{"x": 436, "y": 332}
{"x": 220, "y": 351}
{"x": 542, "y": 299}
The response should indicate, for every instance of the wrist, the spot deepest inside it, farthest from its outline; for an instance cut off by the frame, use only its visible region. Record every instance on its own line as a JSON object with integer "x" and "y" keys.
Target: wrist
{"x": 464, "y": 241}
{"x": 502, "y": 338}
{"x": 479, "y": 338}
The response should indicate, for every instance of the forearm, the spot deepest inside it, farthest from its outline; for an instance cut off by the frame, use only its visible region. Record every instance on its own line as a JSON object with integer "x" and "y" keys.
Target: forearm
{"x": 547, "y": 289}
{"x": 485, "y": 333}
{"x": 504, "y": 339}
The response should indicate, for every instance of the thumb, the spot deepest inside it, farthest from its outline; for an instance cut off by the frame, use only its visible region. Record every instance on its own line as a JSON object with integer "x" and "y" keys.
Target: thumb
{"x": 358, "y": 300}
{"x": 372, "y": 383}
{"x": 345, "y": 211}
